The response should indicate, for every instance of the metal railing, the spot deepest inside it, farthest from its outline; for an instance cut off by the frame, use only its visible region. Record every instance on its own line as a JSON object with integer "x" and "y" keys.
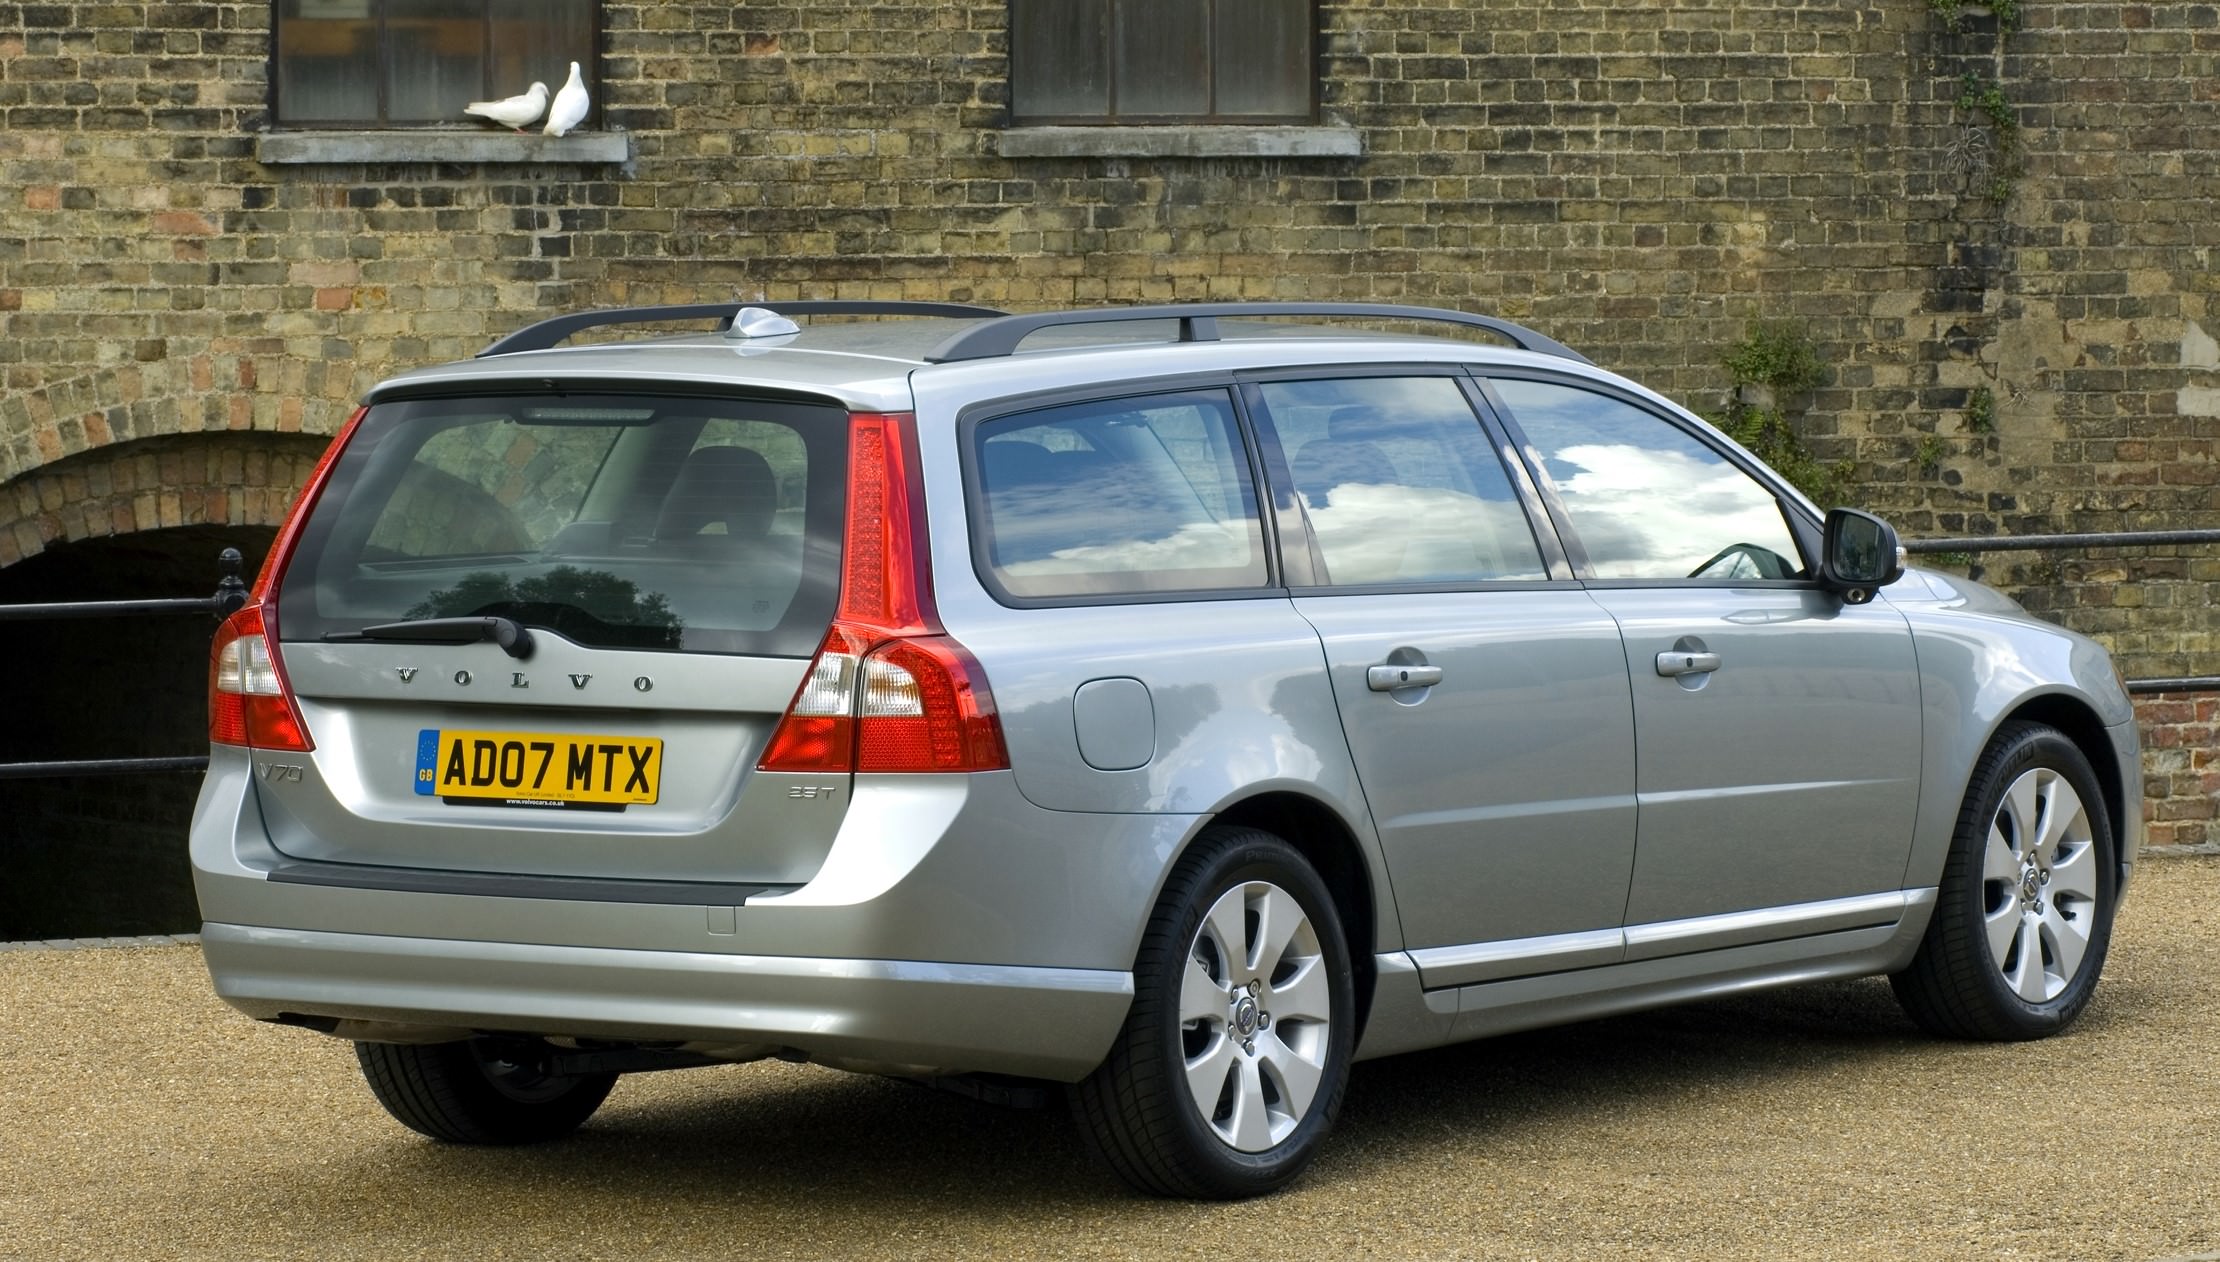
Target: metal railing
{"x": 1972, "y": 548}
{"x": 231, "y": 593}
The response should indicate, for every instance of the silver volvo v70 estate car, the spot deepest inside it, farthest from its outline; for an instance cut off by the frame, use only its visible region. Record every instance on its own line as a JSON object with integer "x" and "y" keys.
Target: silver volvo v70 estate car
{"x": 1178, "y": 703}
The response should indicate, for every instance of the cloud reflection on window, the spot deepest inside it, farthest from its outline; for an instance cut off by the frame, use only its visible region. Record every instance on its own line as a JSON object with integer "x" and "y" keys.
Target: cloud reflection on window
{"x": 1370, "y": 533}
{"x": 1645, "y": 513}
{"x": 1202, "y": 545}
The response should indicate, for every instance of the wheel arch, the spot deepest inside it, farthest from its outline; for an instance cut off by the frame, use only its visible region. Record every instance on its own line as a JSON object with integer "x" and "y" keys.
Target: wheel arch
{"x": 1326, "y": 841}
{"x": 1960, "y": 984}
{"x": 2079, "y": 723}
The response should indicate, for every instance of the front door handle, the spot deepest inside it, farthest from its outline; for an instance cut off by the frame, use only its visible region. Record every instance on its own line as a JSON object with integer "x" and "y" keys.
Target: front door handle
{"x": 1675, "y": 662}
{"x": 1395, "y": 678}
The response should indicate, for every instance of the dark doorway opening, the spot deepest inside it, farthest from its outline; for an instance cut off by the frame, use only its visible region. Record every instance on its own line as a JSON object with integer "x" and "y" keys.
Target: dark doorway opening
{"x": 96, "y": 856}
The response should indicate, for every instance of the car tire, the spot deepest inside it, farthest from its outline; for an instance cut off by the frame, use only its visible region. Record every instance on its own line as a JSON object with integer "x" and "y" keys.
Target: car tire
{"x": 2023, "y": 915}
{"x": 479, "y": 1091}
{"x": 1209, "y": 1092}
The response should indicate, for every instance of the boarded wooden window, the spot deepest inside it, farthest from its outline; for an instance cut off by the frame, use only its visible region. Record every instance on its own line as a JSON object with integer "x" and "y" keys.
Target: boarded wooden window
{"x": 1162, "y": 61}
{"x": 402, "y": 63}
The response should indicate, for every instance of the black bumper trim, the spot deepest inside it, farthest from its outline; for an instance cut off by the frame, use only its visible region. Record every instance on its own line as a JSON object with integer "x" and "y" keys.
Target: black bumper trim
{"x": 579, "y": 889}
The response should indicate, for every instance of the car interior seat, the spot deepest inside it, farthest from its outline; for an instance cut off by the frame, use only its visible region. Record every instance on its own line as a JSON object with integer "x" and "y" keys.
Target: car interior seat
{"x": 721, "y": 502}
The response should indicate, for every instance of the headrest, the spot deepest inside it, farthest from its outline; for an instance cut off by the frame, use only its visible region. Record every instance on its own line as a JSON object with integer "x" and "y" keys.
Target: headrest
{"x": 1324, "y": 464}
{"x": 1016, "y": 462}
{"x": 732, "y": 485}
{"x": 1352, "y": 424}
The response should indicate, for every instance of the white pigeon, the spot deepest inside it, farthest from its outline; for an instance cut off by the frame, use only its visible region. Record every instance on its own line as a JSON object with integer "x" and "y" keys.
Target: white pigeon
{"x": 569, "y": 109}
{"x": 514, "y": 111}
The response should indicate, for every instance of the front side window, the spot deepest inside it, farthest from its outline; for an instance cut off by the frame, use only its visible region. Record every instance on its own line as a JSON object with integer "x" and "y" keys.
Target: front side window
{"x": 1162, "y": 61}
{"x": 1399, "y": 483}
{"x": 1647, "y": 500}
{"x": 1118, "y": 497}
{"x": 377, "y": 63}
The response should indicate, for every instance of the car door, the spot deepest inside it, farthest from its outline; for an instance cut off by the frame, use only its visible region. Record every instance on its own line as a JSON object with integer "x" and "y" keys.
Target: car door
{"x": 1482, "y": 692}
{"x": 1776, "y": 726}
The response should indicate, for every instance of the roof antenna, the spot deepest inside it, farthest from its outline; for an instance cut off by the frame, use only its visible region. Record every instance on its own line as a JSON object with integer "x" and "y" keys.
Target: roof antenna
{"x": 750, "y": 322}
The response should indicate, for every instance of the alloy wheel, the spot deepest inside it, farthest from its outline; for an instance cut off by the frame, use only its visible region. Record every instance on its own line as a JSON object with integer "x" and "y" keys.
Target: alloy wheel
{"x": 1255, "y": 1010}
{"x": 2039, "y": 885}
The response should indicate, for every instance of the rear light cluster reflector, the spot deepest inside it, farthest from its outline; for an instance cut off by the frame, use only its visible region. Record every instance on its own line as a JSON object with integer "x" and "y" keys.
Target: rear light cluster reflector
{"x": 888, "y": 689}
{"x": 818, "y": 732}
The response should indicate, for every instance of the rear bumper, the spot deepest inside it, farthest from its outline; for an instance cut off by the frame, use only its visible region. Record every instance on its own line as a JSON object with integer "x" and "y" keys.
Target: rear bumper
{"x": 888, "y": 1015}
{"x": 953, "y": 927}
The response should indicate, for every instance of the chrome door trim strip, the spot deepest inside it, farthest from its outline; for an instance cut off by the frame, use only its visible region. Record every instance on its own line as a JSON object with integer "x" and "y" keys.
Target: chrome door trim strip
{"x": 1517, "y": 957}
{"x": 1708, "y": 933}
{"x": 1467, "y": 963}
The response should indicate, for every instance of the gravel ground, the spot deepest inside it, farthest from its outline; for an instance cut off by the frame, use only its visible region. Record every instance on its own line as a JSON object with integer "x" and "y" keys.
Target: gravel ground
{"x": 142, "y": 1118}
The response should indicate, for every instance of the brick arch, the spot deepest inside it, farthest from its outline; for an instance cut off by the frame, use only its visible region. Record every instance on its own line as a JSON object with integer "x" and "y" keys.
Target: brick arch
{"x": 244, "y": 478}
{"x": 231, "y": 386}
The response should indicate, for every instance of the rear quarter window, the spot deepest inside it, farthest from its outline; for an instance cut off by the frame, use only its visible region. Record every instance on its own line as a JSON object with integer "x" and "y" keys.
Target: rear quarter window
{"x": 1120, "y": 497}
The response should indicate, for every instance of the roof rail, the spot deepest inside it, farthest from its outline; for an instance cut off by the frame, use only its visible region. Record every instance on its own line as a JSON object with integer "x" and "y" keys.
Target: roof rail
{"x": 1198, "y": 322}
{"x": 552, "y": 331}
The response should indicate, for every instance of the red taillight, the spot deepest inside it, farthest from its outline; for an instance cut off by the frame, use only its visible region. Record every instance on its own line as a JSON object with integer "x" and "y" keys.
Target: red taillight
{"x": 888, "y": 690}
{"x": 886, "y": 579}
{"x": 249, "y": 701}
{"x": 926, "y": 707}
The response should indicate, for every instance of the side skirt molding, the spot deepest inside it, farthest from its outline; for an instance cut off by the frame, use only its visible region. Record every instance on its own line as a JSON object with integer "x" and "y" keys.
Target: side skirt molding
{"x": 1474, "y": 962}
{"x": 1409, "y": 1016}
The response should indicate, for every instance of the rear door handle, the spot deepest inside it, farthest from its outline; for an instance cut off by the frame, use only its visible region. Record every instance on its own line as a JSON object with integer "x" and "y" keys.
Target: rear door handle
{"x": 1393, "y": 678}
{"x": 1674, "y": 662}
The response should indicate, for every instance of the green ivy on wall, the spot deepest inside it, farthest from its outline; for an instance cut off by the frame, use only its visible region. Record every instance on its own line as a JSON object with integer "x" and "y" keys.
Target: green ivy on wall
{"x": 1954, "y": 14}
{"x": 1987, "y": 149}
{"x": 1985, "y": 97}
{"x": 1772, "y": 366}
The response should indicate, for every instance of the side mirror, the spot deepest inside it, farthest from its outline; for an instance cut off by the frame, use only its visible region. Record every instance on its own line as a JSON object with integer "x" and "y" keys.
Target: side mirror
{"x": 1859, "y": 553}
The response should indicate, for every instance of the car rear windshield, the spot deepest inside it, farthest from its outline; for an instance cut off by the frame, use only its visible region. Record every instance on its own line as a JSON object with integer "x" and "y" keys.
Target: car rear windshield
{"x": 615, "y": 520}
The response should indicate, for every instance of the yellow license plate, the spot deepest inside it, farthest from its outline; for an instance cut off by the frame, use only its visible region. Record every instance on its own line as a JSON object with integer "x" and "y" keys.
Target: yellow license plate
{"x": 538, "y": 768}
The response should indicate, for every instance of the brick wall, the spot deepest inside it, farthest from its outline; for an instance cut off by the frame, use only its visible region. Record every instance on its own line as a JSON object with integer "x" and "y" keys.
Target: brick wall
{"x": 1639, "y": 179}
{"x": 2181, "y": 768}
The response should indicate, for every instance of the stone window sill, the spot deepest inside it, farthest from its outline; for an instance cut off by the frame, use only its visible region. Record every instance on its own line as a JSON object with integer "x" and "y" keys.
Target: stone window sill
{"x": 1178, "y": 141}
{"x": 281, "y": 148}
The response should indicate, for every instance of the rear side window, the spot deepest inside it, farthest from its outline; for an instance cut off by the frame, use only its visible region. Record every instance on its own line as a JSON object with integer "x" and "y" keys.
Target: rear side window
{"x": 1118, "y": 497}
{"x": 1399, "y": 482}
{"x": 708, "y": 525}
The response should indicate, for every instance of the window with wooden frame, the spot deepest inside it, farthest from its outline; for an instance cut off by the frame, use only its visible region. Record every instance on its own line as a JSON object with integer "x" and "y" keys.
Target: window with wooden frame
{"x": 409, "y": 63}
{"x": 1163, "y": 61}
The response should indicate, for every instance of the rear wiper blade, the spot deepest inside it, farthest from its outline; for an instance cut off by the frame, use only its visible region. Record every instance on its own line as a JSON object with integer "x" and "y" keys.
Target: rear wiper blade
{"x": 511, "y": 635}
